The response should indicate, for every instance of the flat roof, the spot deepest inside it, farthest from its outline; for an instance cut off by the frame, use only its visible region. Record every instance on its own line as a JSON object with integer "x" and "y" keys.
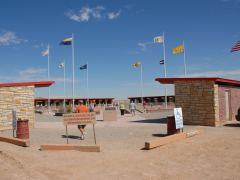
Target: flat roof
{"x": 217, "y": 80}
{"x": 35, "y": 84}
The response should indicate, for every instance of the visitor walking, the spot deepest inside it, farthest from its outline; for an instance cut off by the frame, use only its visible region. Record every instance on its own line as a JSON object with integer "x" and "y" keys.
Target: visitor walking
{"x": 81, "y": 108}
{"x": 91, "y": 107}
{"x": 132, "y": 108}
{"x": 122, "y": 109}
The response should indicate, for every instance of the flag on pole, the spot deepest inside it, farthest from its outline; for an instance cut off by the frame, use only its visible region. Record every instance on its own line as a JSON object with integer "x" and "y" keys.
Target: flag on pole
{"x": 161, "y": 61}
{"x": 45, "y": 52}
{"x": 178, "y": 49}
{"x": 61, "y": 65}
{"x": 136, "y": 65}
{"x": 236, "y": 47}
{"x": 83, "y": 67}
{"x": 66, "y": 41}
{"x": 158, "y": 39}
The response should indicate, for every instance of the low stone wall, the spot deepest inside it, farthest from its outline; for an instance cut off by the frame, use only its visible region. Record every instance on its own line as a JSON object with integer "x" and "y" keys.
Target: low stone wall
{"x": 199, "y": 102}
{"x": 20, "y": 99}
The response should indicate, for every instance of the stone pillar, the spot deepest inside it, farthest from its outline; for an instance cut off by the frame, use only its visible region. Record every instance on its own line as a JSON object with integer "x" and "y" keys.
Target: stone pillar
{"x": 20, "y": 99}
{"x": 197, "y": 99}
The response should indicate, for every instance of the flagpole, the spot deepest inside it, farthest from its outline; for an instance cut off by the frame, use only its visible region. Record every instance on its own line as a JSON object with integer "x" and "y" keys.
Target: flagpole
{"x": 184, "y": 60}
{"x": 87, "y": 87}
{"x": 141, "y": 85}
{"x": 48, "y": 79}
{"x": 165, "y": 69}
{"x": 64, "y": 88}
{"x": 73, "y": 67}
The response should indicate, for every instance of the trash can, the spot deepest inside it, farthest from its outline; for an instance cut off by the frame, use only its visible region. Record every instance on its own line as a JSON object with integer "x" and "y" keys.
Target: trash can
{"x": 171, "y": 126}
{"x": 22, "y": 129}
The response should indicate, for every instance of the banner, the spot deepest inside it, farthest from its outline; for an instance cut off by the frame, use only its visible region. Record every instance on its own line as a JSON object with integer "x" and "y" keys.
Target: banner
{"x": 79, "y": 118}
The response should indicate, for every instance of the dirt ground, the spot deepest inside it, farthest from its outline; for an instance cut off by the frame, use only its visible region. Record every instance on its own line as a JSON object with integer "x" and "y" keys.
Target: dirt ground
{"x": 214, "y": 154}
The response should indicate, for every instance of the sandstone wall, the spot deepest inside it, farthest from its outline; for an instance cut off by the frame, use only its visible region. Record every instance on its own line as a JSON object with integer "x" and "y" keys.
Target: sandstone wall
{"x": 20, "y": 99}
{"x": 199, "y": 102}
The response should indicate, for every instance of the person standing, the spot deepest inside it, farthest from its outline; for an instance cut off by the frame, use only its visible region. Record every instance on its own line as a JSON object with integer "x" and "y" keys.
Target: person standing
{"x": 81, "y": 108}
{"x": 122, "y": 109}
{"x": 132, "y": 108}
{"x": 91, "y": 107}
{"x": 144, "y": 106}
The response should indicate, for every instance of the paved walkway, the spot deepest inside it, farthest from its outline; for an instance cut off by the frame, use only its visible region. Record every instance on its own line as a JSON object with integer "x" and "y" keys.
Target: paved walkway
{"x": 49, "y": 121}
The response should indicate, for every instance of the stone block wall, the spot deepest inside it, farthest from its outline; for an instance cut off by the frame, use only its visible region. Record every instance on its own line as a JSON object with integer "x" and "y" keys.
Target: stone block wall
{"x": 199, "y": 102}
{"x": 20, "y": 99}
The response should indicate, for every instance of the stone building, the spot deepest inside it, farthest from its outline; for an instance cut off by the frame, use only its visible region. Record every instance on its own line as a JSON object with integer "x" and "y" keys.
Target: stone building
{"x": 20, "y": 98}
{"x": 60, "y": 101}
{"x": 206, "y": 101}
{"x": 152, "y": 99}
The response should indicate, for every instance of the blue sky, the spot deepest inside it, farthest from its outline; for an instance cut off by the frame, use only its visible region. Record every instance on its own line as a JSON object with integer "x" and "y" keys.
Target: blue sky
{"x": 112, "y": 35}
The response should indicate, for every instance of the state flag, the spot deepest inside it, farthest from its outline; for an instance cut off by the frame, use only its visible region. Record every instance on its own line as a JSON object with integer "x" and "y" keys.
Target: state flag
{"x": 83, "y": 67}
{"x": 178, "y": 49}
{"x": 158, "y": 39}
{"x": 136, "y": 65}
{"x": 61, "y": 65}
{"x": 45, "y": 52}
{"x": 66, "y": 41}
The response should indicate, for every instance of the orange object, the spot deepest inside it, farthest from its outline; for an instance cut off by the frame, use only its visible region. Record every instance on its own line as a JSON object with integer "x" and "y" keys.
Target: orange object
{"x": 81, "y": 108}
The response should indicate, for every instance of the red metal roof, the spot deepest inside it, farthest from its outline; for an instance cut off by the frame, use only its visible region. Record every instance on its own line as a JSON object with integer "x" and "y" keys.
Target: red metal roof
{"x": 35, "y": 84}
{"x": 217, "y": 80}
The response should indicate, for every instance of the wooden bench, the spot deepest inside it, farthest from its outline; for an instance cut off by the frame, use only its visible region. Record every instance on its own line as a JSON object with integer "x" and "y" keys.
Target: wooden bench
{"x": 16, "y": 141}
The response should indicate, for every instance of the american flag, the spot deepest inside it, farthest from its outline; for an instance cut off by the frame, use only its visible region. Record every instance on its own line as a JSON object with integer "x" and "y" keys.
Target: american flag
{"x": 236, "y": 47}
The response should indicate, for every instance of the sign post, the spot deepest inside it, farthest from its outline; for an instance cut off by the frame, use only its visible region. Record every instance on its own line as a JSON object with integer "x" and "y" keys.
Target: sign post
{"x": 14, "y": 121}
{"x": 80, "y": 118}
{"x": 178, "y": 118}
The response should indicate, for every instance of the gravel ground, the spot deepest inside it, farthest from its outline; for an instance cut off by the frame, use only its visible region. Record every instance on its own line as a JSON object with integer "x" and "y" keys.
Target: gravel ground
{"x": 214, "y": 154}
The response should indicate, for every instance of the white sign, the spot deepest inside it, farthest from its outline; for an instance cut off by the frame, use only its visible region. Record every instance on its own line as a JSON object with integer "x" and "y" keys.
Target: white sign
{"x": 178, "y": 118}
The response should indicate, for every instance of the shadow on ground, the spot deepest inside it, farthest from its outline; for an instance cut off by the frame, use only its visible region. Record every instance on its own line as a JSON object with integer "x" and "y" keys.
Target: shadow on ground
{"x": 156, "y": 121}
{"x": 71, "y": 136}
{"x": 233, "y": 125}
{"x": 159, "y": 135}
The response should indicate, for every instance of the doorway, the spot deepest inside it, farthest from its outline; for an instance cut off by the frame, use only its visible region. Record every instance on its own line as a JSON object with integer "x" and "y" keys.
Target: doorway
{"x": 228, "y": 105}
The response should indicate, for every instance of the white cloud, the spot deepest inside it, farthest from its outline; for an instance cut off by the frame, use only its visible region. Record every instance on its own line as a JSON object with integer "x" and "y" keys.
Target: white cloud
{"x": 67, "y": 80}
{"x": 33, "y": 74}
{"x": 143, "y": 45}
{"x": 8, "y": 38}
{"x": 224, "y": 74}
{"x": 85, "y": 14}
{"x": 40, "y": 45}
{"x": 96, "y": 12}
{"x": 113, "y": 15}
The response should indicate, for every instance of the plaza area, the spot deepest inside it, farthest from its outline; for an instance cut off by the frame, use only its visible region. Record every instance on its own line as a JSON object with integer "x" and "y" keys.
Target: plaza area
{"x": 213, "y": 154}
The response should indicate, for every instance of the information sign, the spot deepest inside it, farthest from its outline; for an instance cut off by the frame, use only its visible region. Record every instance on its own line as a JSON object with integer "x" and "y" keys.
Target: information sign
{"x": 178, "y": 118}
